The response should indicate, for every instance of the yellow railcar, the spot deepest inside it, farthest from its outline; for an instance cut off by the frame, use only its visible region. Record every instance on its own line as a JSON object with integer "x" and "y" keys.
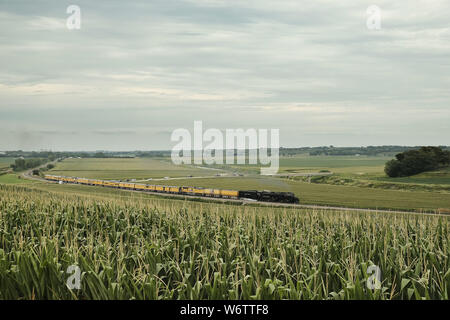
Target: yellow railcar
{"x": 139, "y": 186}
{"x": 188, "y": 190}
{"x": 229, "y": 193}
{"x": 208, "y": 192}
{"x": 174, "y": 189}
{"x": 126, "y": 185}
{"x": 159, "y": 188}
{"x": 83, "y": 180}
{"x": 198, "y": 191}
{"x": 114, "y": 184}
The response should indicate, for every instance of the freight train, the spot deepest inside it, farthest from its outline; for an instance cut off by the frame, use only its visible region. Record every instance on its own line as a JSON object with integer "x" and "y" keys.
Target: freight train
{"x": 266, "y": 196}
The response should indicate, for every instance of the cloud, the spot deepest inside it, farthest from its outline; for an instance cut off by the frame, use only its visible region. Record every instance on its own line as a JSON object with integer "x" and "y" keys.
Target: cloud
{"x": 303, "y": 67}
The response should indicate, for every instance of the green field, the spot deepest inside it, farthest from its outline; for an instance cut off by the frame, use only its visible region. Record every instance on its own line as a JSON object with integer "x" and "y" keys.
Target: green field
{"x": 11, "y": 178}
{"x": 126, "y": 168}
{"x": 338, "y": 164}
{"x": 441, "y": 176}
{"x": 344, "y": 196}
{"x": 134, "y": 247}
{"x": 5, "y": 162}
{"x": 308, "y": 193}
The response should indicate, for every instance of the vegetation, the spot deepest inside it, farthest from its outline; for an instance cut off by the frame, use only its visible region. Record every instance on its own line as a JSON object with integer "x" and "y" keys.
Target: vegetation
{"x": 23, "y": 164}
{"x": 14, "y": 179}
{"x": 150, "y": 249}
{"x": 344, "y": 192}
{"x": 346, "y": 151}
{"x": 331, "y": 195}
{"x": 124, "y": 168}
{"x": 413, "y": 162}
{"x": 284, "y": 152}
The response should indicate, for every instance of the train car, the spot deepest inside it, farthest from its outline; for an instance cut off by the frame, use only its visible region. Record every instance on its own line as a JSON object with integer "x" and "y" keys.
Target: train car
{"x": 139, "y": 186}
{"x": 197, "y": 191}
{"x": 208, "y": 192}
{"x": 187, "y": 190}
{"x": 51, "y": 177}
{"x": 112, "y": 184}
{"x": 229, "y": 193}
{"x": 266, "y": 196}
{"x": 96, "y": 182}
{"x": 83, "y": 181}
{"x": 126, "y": 185}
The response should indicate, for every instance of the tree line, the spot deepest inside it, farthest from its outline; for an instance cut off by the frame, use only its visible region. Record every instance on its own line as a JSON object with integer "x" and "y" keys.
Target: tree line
{"x": 23, "y": 164}
{"x": 413, "y": 162}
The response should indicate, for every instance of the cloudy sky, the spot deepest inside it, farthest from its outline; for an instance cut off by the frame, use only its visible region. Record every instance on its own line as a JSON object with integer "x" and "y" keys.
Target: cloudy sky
{"x": 137, "y": 70}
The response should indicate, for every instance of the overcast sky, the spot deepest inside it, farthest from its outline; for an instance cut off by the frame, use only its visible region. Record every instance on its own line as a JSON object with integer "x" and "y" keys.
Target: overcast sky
{"x": 137, "y": 70}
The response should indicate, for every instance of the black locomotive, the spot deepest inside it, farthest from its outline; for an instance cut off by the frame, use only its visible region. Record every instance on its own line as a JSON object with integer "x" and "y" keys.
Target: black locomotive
{"x": 268, "y": 196}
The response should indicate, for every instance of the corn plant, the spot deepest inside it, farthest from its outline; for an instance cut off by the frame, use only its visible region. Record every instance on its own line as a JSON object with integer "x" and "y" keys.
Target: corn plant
{"x": 137, "y": 248}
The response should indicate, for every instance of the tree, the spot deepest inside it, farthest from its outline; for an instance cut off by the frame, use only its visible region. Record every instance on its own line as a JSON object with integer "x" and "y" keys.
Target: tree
{"x": 416, "y": 161}
{"x": 393, "y": 168}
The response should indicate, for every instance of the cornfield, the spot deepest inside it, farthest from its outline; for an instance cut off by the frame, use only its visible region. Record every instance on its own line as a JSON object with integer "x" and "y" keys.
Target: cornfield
{"x": 136, "y": 248}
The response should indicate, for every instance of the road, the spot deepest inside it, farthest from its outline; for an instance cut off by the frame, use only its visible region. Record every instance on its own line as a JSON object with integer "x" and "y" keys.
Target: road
{"x": 29, "y": 173}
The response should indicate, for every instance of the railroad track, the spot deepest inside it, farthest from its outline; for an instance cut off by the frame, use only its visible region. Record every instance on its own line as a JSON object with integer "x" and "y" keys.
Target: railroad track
{"x": 270, "y": 204}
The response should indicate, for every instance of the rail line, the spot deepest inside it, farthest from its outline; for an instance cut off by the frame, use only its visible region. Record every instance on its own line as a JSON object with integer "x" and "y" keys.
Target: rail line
{"x": 245, "y": 201}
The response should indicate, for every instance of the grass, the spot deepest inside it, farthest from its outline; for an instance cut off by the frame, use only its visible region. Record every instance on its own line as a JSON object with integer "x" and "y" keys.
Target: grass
{"x": 10, "y": 178}
{"x": 120, "y": 169}
{"x": 158, "y": 249}
{"x": 332, "y": 195}
{"x": 345, "y": 164}
{"x": 338, "y": 164}
{"x": 317, "y": 194}
{"x": 343, "y": 195}
{"x": 5, "y": 162}
{"x": 441, "y": 176}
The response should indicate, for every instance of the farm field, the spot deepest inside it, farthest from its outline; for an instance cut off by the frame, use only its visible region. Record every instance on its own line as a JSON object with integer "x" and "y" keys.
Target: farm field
{"x": 5, "y": 162}
{"x": 441, "y": 176}
{"x": 344, "y": 196}
{"x": 13, "y": 178}
{"x": 153, "y": 248}
{"x": 308, "y": 193}
{"x": 337, "y": 164}
{"x": 126, "y": 168}
{"x": 361, "y": 171}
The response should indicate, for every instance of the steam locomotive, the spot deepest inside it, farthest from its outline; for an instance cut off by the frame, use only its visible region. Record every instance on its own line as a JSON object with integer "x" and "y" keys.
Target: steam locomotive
{"x": 265, "y": 196}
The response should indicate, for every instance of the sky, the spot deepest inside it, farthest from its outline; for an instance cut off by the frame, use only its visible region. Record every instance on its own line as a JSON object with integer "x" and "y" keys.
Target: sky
{"x": 137, "y": 70}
